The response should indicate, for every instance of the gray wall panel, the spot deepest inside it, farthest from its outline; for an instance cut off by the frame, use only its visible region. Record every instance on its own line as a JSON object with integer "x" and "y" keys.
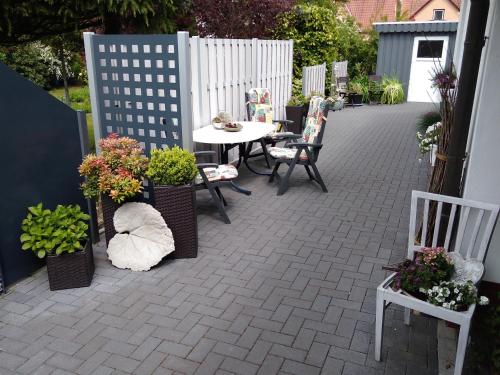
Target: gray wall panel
{"x": 396, "y": 46}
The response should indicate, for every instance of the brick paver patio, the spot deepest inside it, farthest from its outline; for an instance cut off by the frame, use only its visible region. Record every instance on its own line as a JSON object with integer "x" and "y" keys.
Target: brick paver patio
{"x": 288, "y": 287}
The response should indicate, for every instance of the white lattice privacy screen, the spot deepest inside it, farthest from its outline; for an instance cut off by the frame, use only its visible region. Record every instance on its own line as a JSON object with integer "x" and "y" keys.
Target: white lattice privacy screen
{"x": 140, "y": 87}
{"x": 313, "y": 79}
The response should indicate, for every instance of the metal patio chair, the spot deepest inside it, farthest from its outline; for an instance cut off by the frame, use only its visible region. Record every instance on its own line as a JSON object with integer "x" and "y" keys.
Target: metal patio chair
{"x": 476, "y": 221}
{"x": 302, "y": 149}
{"x": 260, "y": 109}
{"x": 212, "y": 176}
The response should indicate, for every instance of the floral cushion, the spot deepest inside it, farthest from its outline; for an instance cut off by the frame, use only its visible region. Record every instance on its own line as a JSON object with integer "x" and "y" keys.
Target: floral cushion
{"x": 260, "y": 107}
{"x": 314, "y": 119}
{"x": 221, "y": 173}
{"x": 285, "y": 153}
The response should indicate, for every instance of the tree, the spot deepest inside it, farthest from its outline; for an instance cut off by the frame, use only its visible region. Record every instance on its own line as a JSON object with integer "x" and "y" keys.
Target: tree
{"x": 238, "y": 18}
{"x": 321, "y": 35}
{"x": 22, "y": 21}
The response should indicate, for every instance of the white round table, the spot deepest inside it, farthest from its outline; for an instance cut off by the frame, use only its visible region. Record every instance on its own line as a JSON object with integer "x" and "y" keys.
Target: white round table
{"x": 251, "y": 131}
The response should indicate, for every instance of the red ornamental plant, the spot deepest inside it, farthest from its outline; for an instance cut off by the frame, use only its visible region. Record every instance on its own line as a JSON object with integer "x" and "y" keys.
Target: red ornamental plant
{"x": 118, "y": 171}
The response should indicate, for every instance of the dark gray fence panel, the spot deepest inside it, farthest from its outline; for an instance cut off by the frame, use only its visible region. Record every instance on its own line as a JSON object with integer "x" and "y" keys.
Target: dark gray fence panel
{"x": 137, "y": 87}
{"x": 40, "y": 153}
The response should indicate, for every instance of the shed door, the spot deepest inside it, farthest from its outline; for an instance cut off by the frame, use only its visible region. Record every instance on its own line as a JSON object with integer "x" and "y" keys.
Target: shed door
{"x": 429, "y": 54}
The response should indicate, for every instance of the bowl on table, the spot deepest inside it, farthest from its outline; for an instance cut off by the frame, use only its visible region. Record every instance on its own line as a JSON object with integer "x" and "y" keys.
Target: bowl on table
{"x": 233, "y": 127}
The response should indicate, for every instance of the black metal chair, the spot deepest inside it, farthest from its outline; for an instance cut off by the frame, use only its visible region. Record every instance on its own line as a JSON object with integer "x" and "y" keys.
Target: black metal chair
{"x": 212, "y": 176}
{"x": 302, "y": 149}
{"x": 260, "y": 109}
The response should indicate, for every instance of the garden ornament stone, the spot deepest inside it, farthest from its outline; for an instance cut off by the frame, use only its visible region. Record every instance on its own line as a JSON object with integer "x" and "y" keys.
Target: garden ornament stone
{"x": 466, "y": 269}
{"x": 143, "y": 238}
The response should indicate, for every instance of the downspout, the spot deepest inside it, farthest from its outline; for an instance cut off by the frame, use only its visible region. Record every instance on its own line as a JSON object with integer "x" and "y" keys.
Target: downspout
{"x": 473, "y": 46}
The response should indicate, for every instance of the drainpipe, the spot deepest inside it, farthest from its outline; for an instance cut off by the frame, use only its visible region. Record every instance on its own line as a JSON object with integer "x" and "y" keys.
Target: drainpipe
{"x": 473, "y": 46}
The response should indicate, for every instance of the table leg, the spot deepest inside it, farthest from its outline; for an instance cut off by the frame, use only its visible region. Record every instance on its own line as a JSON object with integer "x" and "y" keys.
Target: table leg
{"x": 245, "y": 160}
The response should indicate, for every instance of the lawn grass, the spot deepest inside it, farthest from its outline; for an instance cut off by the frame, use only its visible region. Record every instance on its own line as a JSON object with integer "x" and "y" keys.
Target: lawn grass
{"x": 80, "y": 100}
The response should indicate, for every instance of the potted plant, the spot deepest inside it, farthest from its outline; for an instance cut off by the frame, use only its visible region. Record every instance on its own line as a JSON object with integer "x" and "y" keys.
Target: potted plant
{"x": 60, "y": 236}
{"x": 115, "y": 175}
{"x": 295, "y": 111}
{"x": 355, "y": 95}
{"x": 172, "y": 171}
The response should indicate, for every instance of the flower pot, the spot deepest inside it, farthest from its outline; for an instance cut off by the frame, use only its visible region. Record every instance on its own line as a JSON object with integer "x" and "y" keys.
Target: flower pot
{"x": 109, "y": 207}
{"x": 355, "y": 99}
{"x": 71, "y": 270}
{"x": 295, "y": 114}
{"x": 177, "y": 205}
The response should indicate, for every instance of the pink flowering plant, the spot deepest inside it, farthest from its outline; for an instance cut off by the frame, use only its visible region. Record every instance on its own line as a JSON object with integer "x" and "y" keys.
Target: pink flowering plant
{"x": 117, "y": 172}
{"x": 429, "y": 268}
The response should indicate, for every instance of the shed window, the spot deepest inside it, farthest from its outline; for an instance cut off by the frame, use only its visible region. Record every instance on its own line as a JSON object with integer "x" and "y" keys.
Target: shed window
{"x": 430, "y": 49}
{"x": 438, "y": 15}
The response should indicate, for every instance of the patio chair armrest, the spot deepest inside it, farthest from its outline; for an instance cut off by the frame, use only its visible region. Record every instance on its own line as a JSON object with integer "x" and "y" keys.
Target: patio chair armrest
{"x": 283, "y": 123}
{"x": 293, "y": 137}
{"x": 303, "y": 145}
{"x": 206, "y": 165}
{"x": 204, "y": 153}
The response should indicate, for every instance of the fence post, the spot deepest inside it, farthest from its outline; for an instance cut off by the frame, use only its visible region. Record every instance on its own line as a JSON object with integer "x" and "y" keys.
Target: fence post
{"x": 84, "y": 146}
{"x": 195, "y": 79}
{"x": 185, "y": 89}
{"x": 93, "y": 90}
{"x": 255, "y": 59}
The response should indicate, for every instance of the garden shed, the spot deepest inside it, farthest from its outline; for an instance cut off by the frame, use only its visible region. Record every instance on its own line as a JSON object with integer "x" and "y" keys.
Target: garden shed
{"x": 411, "y": 51}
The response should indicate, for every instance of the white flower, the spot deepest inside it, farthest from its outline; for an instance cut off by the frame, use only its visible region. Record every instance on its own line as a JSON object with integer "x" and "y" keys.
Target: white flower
{"x": 483, "y": 300}
{"x": 422, "y": 290}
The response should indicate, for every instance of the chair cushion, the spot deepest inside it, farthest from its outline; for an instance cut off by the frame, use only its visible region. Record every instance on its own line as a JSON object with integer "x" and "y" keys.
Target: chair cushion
{"x": 314, "y": 119}
{"x": 223, "y": 172}
{"x": 260, "y": 107}
{"x": 285, "y": 153}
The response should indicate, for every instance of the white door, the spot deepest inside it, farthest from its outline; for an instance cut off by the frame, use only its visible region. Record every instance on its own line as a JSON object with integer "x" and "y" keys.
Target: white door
{"x": 429, "y": 54}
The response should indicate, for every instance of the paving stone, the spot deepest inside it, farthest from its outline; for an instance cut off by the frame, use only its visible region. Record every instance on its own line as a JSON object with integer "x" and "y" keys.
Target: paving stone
{"x": 288, "y": 287}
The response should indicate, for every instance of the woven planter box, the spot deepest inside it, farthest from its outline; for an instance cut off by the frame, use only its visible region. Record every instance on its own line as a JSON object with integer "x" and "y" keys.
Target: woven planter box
{"x": 177, "y": 205}
{"x": 109, "y": 208}
{"x": 73, "y": 270}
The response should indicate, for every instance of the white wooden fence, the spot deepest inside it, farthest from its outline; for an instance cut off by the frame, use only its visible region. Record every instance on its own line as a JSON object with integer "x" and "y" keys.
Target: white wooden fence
{"x": 222, "y": 70}
{"x": 313, "y": 79}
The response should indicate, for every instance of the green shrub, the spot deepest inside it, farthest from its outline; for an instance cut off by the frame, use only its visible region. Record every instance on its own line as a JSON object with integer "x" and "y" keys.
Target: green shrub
{"x": 426, "y": 120}
{"x": 321, "y": 35}
{"x": 297, "y": 100}
{"x": 47, "y": 232}
{"x": 172, "y": 166}
{"x": 28, "y": 60}
{"x": 359, "y": 85}
{"x": 392, "y": 91}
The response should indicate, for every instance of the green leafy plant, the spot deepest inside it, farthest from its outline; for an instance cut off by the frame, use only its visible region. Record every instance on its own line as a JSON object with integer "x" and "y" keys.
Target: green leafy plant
{"x": 46, "y": 232}
{"x": 297, "y": 100}
{"x": 392, "y": 91}
{"x": 359, "y": 85}
{"x": 324, "y": 34}
{"x": 118, "y": 171}
{"x": 426, "y": 120}
{"x": 172, "y": 166}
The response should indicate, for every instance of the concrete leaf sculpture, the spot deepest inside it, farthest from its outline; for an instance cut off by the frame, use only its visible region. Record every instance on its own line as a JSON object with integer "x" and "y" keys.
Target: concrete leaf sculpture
{"x": 143, "y": 238}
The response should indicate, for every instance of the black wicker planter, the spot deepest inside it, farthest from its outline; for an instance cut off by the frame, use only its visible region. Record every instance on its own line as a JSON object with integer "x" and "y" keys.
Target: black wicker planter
{"x": 177, "y": 205}
{"x": 295, "y": 114}
{"x": 73, "y": 270}
{"x": 109, "y": 208}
